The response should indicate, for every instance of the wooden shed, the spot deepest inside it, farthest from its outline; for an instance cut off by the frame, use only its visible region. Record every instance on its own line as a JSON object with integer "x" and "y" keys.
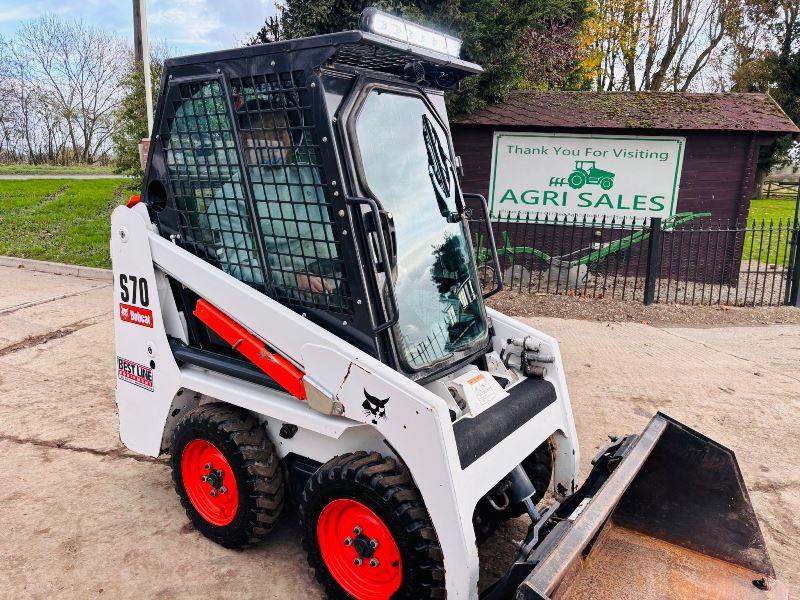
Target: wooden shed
{"x": 727, "y": 135}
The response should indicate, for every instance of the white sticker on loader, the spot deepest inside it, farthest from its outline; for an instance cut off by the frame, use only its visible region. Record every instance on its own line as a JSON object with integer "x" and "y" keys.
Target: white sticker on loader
{"x": 134, "y": 373}
{"x": 478, "y": 389}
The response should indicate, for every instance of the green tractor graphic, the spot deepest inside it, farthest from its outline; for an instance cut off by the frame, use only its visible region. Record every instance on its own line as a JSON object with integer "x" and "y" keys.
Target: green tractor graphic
{"x": 586, "y": 172}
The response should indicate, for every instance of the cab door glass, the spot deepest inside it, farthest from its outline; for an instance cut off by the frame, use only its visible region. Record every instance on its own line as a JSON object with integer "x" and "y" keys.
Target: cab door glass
{"x": 406, "y": 160}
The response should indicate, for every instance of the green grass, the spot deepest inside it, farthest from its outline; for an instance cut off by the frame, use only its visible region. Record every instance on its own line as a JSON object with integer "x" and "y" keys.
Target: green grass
{"x": 67, "y": 220}
{"x": 771, "y": 209}
{"x": 763, "y": 248}
{"x": 55, "y": 170}
{"x": 62, "y": 220}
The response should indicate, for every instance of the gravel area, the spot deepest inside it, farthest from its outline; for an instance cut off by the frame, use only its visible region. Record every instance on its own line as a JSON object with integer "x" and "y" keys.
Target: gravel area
{"x": 602, "y": 309}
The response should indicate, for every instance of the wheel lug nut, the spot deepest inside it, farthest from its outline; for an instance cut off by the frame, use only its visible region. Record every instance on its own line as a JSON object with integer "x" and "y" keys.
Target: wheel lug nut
{"x": 208, "y": 466}
{"x": 204, "y": 478}
{"x": 373, "y": 562}
{"x": 223, "y": 490}
{"x": 348, "y": 541}
{"x": 357, "y": 530}
{"x": 357, "y": 562}
{"x": 373, "y": 543}
{"x": 213, "y": 492}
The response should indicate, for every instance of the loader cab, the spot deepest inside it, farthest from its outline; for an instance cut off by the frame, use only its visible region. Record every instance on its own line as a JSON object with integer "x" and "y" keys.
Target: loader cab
{"x": 321, "y": 172}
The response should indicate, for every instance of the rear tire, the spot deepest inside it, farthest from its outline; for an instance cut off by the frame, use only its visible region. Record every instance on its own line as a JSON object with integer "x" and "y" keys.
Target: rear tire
{"x": 377, "y": 494}
{"x": 216, "y": 446}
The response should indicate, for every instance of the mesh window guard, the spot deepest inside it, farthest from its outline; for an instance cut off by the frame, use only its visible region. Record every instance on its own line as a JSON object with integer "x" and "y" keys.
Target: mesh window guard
{"x": 275, "y": 121}
{"x": 197, "y": 140}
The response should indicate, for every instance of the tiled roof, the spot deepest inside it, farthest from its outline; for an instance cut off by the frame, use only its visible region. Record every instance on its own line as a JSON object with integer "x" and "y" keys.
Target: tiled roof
{"x": 636, "y": 110}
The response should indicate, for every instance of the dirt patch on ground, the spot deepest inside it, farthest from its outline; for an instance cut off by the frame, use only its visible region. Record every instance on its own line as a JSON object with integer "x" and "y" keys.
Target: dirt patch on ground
{"x": 522, "y": 304}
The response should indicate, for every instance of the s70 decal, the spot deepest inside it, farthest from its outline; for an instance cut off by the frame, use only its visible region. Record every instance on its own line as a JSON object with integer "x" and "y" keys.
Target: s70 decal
{"x": 133, "y": 290}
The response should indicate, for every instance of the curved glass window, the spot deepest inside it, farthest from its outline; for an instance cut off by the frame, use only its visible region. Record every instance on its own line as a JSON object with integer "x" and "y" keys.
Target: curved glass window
{"x": 407, "y": 163}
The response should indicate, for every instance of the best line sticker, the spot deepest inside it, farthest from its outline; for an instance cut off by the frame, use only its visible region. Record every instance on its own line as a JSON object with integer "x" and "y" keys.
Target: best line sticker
{"x": 138, "y": 375}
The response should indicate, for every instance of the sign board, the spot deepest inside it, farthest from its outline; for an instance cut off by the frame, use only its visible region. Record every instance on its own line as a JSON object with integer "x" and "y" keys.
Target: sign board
{"x": 572, "y": 175}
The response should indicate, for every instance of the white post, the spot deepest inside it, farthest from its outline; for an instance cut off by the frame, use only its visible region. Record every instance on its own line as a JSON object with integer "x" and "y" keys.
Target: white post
{"x": 142, "y": 52}
{"x": 142, "y": 48}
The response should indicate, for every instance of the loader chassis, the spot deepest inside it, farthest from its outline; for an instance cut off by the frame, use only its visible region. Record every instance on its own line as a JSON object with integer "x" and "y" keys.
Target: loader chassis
{"x": 299, "y": 320}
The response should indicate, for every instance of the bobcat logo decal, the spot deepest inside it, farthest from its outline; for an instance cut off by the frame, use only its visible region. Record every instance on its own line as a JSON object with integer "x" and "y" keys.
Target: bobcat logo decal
{"x": 374, "y": 407}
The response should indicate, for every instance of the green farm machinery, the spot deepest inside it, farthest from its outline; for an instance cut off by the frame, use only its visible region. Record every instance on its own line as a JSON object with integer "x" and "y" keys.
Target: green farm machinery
{"x": 572, "y": 268}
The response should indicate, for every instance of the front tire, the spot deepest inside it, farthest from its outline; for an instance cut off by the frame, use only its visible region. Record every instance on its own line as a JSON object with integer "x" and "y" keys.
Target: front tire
{"x": 367, "y": 533}
{"x": 227, "y": 475}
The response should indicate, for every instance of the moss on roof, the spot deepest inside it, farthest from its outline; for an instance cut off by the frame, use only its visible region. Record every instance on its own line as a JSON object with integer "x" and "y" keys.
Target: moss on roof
{"x": 637, "y": 110}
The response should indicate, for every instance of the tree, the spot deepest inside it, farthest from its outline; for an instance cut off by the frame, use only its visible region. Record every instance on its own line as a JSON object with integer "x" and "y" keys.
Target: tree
{"x": 78, "y": 68}
{"x": 654, "y": 44}
{"x": 131, "y": 117}
{"x": 764, "y": 56}
{"x": 59, "y": 89}
{"x": 787, "y": 59}
{"x": 501, "y": 35}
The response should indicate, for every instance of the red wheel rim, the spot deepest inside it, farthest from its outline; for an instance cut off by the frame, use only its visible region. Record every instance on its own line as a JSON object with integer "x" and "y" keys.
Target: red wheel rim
{"x": 347, "y": 531}
{"x": 209, "y": 482}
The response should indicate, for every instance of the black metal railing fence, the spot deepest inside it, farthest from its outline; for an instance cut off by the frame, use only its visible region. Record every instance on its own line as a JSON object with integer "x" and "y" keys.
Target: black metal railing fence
{"x": 687, "y": 259}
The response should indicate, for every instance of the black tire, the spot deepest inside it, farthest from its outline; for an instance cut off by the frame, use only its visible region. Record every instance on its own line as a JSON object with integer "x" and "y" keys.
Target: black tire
{"x": 385, "y": 487}
{"x": 259, "y": 477}
{"x": 539, "y": 468}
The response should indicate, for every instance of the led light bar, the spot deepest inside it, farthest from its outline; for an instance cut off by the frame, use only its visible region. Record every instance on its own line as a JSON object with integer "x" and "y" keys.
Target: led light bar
{"x": 381, "y": 23}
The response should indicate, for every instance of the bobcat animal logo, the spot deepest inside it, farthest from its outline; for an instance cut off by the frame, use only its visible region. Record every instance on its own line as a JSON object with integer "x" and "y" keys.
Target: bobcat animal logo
{"x": 374, "y": 407}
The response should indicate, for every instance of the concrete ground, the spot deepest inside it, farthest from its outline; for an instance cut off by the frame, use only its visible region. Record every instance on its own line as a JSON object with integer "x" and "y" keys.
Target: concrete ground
{"x": 83, "y": 517}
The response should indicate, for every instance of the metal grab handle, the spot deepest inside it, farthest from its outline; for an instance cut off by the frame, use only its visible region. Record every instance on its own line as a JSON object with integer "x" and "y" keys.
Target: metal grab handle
{"x": 495, "y": 257}
{"x": 386, "y": 263}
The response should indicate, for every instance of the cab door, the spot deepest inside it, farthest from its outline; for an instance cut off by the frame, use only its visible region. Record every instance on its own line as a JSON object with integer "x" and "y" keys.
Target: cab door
{"x": 402, "y": 160}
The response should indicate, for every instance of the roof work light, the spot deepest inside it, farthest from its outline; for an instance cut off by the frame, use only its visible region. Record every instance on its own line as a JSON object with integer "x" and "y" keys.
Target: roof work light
{"x": 386, "y": 25}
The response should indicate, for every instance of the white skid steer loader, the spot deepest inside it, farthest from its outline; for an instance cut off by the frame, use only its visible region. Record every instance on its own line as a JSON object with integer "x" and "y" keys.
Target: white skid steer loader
{"x": 299, "y": 321}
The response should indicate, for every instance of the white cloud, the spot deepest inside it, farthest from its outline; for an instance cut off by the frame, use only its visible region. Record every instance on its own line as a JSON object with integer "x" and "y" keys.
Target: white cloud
{"x": 185, "y": 26}
{"x": 188, "y": 21}
{"x": 16, "y": 13}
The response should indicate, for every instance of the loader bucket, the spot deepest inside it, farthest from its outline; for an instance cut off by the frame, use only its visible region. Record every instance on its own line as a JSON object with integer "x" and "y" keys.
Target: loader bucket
{"x": 672, "y": 520}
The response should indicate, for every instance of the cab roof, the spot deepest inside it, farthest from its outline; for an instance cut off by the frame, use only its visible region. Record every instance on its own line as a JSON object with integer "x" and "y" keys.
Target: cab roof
{"x": 358, "y": 49}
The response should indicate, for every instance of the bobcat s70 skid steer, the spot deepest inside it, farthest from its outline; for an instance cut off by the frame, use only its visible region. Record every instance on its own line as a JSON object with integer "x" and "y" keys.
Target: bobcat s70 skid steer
{"x": 299, "y": 323}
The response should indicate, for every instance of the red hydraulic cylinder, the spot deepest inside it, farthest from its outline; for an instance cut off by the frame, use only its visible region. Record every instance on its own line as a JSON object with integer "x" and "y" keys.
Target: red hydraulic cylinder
{"x": 277, "y": 367}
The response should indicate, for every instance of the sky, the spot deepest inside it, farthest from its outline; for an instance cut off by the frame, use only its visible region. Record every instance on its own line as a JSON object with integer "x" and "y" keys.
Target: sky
{"x": 182, "y": 26}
